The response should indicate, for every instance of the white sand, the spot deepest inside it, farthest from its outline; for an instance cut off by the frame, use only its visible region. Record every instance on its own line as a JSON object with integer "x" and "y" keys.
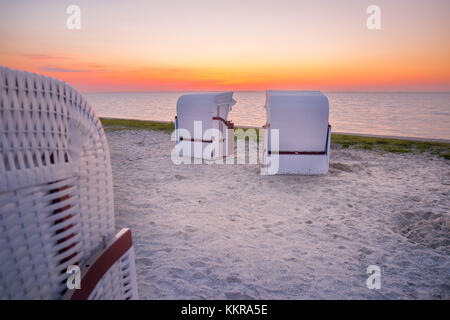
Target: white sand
{"x": 226, "y": 232}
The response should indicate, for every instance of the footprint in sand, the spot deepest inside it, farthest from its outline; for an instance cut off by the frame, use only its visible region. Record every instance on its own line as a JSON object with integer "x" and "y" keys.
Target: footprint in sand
{"x": 233, "y": 279}
{"x": 341, "y": 167}
{"x": 190, "y": 229}
{"x": 197, "y": 264}
{"x": 237, "y": 296}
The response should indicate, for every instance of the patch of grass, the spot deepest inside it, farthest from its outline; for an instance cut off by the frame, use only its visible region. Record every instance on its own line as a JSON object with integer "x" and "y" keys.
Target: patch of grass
{"x": 127, "y": 124}
{"x": 240, "y": 136}
{"x": 440, "y": 149}
{"x": 395, "y": 149}
{"x": 368, "y": 147}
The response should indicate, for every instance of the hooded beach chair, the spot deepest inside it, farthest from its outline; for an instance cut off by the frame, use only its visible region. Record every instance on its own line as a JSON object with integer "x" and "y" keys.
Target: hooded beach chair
{"x": 56, "y": 197}
{"x": 207, "y": 111}
{"x": 301, "y": 118}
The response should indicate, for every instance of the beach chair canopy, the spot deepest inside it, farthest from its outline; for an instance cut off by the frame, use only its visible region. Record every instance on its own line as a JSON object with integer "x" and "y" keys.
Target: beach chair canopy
{"x": 208, "y": 102}
{"x": 56, "y": 197}
{"x": 301, "y": 117}
{"x": 203, "y": 107}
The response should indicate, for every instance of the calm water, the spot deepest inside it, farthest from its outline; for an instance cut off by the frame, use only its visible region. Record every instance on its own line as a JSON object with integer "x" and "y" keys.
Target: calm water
{"x": 425, "y": 115}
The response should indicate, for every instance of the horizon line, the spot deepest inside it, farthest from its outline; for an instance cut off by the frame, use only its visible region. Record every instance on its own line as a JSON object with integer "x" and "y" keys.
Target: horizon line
{"x": 263, "y": 91}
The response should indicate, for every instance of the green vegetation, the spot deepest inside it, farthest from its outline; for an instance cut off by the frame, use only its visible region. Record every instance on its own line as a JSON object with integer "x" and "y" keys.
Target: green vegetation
{"x": 440, "y": 149}
{"x": 127, "y": 124}
{"x": 239, "y": 135}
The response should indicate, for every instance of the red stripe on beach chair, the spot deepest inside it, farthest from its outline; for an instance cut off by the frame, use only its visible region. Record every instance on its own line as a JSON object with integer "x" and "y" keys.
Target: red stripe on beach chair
{"x": 229, "y": 124}
{"x": 101, "y": 265}
{"x": 316, "y": 153}
{"x": 195, "y": 140}
{"x": 199, "y": 140}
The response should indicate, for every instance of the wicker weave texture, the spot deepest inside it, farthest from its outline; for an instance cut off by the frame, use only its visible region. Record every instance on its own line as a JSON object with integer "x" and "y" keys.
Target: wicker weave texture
{"x": 56, "y": 199}
{"x": 111, "y": 289}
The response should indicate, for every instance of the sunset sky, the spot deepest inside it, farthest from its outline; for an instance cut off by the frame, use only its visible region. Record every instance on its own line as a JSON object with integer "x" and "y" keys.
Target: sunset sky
{"x": 195, "y": 45}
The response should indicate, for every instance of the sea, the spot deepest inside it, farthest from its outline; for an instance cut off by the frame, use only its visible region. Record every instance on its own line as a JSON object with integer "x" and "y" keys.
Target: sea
{"x": 421, "y": 115}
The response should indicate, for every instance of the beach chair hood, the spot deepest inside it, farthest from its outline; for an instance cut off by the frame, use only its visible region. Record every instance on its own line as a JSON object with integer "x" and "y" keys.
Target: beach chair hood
{"x": 301, "y": 117}
{"x": 202, "y": 105}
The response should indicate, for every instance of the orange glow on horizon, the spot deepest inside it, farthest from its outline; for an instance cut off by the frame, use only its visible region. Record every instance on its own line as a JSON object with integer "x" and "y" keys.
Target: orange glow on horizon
{"x": 92, "y": 78}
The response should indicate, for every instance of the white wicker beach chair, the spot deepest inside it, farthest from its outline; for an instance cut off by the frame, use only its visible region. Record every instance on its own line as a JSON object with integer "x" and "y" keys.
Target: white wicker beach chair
{"x": 211, "y": 110}
{"x": 301, "y": 118}
{"x": 56, "y": 199}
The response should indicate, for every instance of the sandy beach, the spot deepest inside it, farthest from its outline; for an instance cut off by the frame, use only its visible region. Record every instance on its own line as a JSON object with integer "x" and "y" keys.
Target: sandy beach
{"x": 342, "y": 191}
{"x": 226, "y": 232}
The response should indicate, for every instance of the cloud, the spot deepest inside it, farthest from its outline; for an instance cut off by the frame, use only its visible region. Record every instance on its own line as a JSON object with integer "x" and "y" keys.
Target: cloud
{"x": 61, "y": 63}
{"x": 43, "y": 56}
{"x": 90, "y": 66}
{"x": 53, "y": 69}
{"x": 75, "y": 69}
